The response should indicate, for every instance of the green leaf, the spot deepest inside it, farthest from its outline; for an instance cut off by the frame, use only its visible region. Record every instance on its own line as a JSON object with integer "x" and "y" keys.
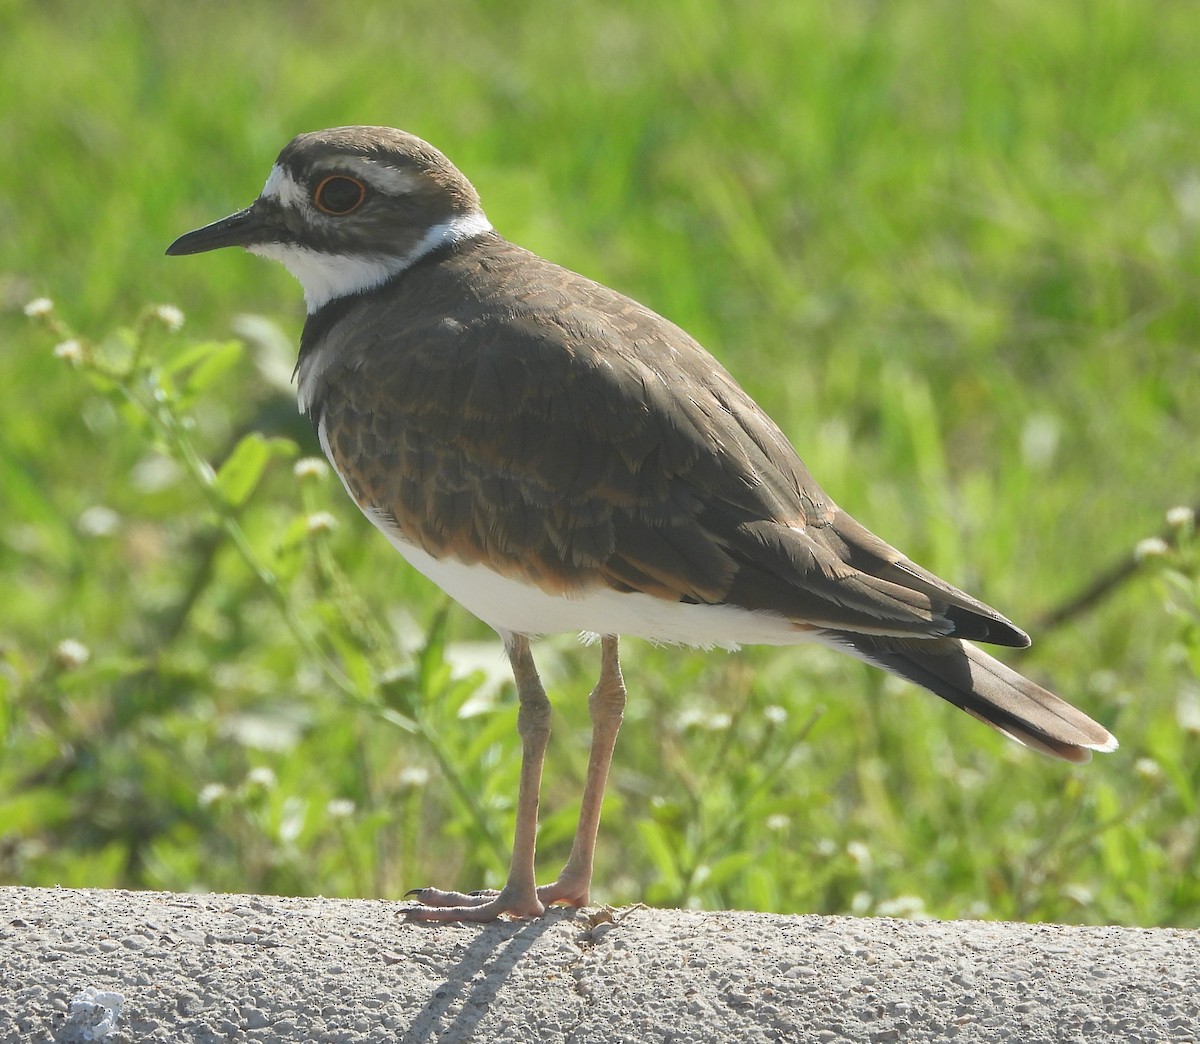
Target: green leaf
{"x": 214, "y": 362}
{"x": 243, "y": 468}
{"x": 190, "y": 356}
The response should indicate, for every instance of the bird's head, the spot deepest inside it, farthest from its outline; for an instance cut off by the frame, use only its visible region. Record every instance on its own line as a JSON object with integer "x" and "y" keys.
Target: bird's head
{"x": 346, "y": 209}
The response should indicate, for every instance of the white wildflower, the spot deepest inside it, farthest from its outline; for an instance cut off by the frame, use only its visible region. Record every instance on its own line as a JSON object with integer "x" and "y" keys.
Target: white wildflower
{"x": 711, "y": 721}
{"x": 70, "y": 350}
{"x": 1149, "y": 769}
{"x": 210, "y": 794}
{"x": 261, "y": 776}
{"x": 310, "y": 467}
{"x": 413, "y": 776}
{"x": 70, "y": 654}
{"x": 1151, "y": 547}
{"x": 98, "y": 521}
{"x": 908, "y": 906}
{"x": 170, "y": 316}
{"x": 321, "y": 522}
{"x": 861, "y": 855}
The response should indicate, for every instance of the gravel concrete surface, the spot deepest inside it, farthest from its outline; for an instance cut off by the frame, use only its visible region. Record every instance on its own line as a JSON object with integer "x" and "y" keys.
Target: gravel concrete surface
{"x": 79, "y": 965}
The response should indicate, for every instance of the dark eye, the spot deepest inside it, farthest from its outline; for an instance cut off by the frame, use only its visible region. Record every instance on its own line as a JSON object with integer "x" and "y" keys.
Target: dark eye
{"x": 339, "y": 195}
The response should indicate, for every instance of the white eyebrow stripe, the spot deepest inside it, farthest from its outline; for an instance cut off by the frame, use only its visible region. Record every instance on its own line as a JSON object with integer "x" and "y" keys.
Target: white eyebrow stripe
{"x": 387, "y": 179}
{"x": 285, "y": 190}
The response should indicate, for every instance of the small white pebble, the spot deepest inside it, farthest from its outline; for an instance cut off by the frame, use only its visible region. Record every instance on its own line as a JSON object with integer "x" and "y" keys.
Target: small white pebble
{"x": 95, "y": 1013}
{"x": 39, "y": 306}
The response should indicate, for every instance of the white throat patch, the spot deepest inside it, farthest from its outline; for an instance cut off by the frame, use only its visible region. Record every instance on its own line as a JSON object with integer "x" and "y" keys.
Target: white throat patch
{"x": 326, "y": 277}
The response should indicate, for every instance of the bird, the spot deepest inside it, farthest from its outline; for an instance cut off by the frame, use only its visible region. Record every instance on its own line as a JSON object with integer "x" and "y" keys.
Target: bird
{"x": 559, "y": 458}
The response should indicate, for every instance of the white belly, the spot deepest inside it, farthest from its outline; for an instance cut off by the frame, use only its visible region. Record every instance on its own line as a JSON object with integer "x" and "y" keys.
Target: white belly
{"x": 510, "y": 606}
{"x": 517, "y": 608}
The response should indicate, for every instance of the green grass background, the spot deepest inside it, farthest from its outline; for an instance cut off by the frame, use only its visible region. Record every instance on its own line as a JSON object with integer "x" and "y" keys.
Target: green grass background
{"x": 952, "y": 248}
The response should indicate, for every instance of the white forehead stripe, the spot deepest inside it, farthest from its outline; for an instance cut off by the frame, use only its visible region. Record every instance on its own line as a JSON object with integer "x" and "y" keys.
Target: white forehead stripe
{"x": 326, "y": 277}
{"x": 284, "y": 189}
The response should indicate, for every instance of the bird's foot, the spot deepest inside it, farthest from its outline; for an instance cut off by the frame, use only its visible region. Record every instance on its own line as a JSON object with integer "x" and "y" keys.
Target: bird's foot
{"x": 433, "y": 904}
{"x": 488, "y": 904}
{"x": 571, "y": 888}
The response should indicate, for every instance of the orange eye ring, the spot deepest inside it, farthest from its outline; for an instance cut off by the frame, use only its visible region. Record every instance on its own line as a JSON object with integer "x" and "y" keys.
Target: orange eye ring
{"x": 339, "y": 195}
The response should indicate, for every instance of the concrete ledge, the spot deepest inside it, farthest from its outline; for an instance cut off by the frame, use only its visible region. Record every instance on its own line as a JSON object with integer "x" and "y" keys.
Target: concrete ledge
{"x": 134, "y": 966}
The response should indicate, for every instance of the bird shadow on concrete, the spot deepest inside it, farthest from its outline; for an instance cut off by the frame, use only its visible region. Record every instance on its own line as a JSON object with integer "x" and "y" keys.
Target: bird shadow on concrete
{"x": 472, "y": 986}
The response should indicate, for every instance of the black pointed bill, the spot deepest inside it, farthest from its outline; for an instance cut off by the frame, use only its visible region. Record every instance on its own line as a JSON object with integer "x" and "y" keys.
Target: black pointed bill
{"x": 245, "y": 228}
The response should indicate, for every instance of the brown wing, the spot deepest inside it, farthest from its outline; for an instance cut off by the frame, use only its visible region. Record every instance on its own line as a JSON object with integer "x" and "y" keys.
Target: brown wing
{"x": 569, "y": 437}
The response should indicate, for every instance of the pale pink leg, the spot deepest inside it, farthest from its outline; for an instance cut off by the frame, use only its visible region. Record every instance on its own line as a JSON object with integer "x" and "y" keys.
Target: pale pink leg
{"x": 606, "y": 706}
{"x": 519, "y": 896}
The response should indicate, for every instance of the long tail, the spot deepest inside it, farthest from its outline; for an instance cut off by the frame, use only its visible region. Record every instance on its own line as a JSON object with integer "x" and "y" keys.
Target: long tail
{"x": 986, "y": 689}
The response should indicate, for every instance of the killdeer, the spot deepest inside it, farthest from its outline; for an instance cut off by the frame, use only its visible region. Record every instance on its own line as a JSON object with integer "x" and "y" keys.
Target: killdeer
{"x": 557, "y": 457}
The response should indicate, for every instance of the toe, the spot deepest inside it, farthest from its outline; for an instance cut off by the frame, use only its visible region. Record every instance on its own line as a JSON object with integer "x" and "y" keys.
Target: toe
{"x": 436, "y": 905}
{"x": 437, "y": 897}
